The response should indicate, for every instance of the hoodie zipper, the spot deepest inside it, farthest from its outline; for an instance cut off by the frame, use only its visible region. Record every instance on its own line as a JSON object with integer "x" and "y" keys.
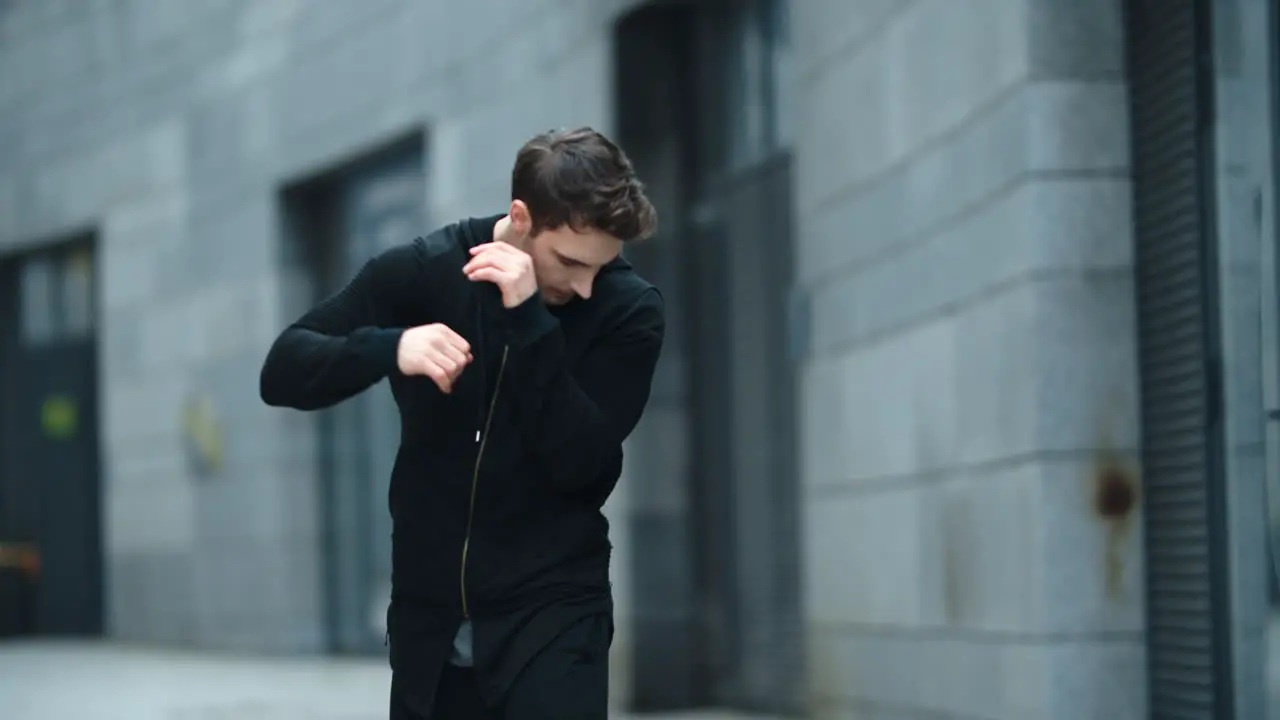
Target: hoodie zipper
{"x": 482, "y": 437}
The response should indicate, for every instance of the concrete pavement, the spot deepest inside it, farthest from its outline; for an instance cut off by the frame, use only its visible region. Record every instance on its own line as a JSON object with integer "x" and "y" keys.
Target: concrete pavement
{"x": 76, "y": 681}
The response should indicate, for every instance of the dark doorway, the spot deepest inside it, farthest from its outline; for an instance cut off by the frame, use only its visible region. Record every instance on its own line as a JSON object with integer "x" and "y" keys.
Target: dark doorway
{"x": 51, "y": 564}
{"x": 336, "y": 222}
{"x": 655, "y": 125}
{"x": 718, "y": 604}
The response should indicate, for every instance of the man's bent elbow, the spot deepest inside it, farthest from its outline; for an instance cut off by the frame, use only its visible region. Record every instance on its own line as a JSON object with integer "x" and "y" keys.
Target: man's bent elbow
{"x": 277, "y": 384}
{"x": 270, "y": 388}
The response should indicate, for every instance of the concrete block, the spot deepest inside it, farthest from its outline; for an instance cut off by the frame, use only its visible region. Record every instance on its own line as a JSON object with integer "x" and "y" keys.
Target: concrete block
{"x": 870, "y": 112}
{"x": 1064, "y": 224}
{"x": 118, "y": 352}
{"x": 1091, "y": 566}
{"x": 980, "y": 558}
{"x": 9, "y": 205}
{"x": 922, "y": 674}
{"x": 1095, "y": 681}
{"x": 62, "y": 48}
{"x": 137, "y": 472}
{"x": 1040, "y": 127}
{"x": 1079, "y": 126}
{"x": 1044, "y": 127}
{"x": 974, "y": 58}
{"x": 944, "y": 675}
{"x": 1008, "y": 550}
{"x": 822, "y": 417}
{"x": 173, "y": 623}
{"x": 217, "y": 592}
{"x": 928, "y": 191}
{"x": 151, "y": 513}
{"x": 272, "y": 593}
{"x": 141, "y": 410}
{"x": 149, "y": 597}
{"x": 1085, "y": 338}
{"x": 242, "y": 491}
{"x": 1048, "y": 366}
{"x": 152, "y": 25}
{"x": 130, "y": 275}
{"x": 843, "y": 116}
{"x": 220, "y": 137}
{"x": 302, "y": 625}
{"x": 863, "y": 558}
{"x": 152, "y": 219}
{"x": 168, "y": 335}
{"x": 1078, "y": 39}
{"x": 1035, "y": 227}
{"x": 896, "y": 404}
{"x": 229, "y": 386}
{"x": 127, "y": 601}
{"x": 997, "y": 376}
{"x": 825, "y": 31}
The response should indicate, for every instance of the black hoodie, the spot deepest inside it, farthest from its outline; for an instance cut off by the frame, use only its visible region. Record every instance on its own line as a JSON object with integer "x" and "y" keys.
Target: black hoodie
{"x": 497, "y": 487}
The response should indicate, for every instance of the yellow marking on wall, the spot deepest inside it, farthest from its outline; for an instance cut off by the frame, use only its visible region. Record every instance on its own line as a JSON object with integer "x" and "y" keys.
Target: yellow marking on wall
{"x": 59, "y": 417}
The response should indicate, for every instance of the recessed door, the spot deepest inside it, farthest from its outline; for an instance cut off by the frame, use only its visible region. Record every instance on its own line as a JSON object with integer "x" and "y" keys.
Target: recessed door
{"x": 50, "y": 492}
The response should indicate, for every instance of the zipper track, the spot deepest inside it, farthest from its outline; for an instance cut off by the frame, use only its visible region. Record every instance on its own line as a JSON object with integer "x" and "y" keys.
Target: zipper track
{"x": 475, "y": 479}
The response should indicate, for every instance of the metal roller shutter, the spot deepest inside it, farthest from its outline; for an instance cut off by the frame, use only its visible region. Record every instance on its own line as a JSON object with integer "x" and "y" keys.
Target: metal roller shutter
{"x": 1170, "y": 110}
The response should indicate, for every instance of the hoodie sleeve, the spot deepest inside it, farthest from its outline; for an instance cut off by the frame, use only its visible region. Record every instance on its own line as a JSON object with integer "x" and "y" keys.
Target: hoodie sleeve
{"x": 576, "y": 422}
{"x": 348, "y": 342}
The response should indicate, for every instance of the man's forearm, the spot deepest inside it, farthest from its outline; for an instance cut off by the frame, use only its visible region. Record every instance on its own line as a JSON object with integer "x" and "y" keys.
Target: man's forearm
{"x": 576, "y": 422}
{"x": 346, "y": 343}
{"x": 309, "y": 370}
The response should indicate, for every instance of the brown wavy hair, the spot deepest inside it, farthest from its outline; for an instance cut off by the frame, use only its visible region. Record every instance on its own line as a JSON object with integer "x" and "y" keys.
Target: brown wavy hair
{"x": 583, "y": 179}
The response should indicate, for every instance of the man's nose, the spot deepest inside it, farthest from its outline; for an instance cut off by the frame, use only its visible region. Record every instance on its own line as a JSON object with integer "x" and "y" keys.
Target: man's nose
{"x": 583, "y": 288}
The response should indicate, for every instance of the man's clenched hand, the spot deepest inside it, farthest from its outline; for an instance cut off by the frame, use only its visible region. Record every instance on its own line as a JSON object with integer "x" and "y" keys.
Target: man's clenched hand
{"x": 506, "y": 266}
{"x": 435, "y": 351}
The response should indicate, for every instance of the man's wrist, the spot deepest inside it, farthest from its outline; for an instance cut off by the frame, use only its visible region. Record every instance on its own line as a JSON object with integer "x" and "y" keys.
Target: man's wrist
{"x": 383, "y": 347}
{"x": 529, "y": 321}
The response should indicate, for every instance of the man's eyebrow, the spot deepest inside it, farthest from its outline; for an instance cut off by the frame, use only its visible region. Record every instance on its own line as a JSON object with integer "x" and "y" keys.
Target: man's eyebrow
{"x": 567, "y": 259}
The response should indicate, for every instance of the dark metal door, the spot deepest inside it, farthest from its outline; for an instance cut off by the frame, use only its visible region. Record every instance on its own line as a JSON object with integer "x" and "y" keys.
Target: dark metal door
{"x": 655, "y": 91}
{"x": 1187, "y": 605}
{"x": 757, "y": 605}
{"x": 382, "y": 204}
{"x": 50, "y": 494}
{"x": 725, "y": 261}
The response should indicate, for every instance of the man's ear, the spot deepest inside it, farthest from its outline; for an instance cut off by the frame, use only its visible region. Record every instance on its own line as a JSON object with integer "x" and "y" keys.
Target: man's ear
{"x": 521, "y": 220}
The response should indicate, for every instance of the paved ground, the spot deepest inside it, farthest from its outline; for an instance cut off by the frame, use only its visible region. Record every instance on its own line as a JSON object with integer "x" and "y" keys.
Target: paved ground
{"x": 57, "y": 681}
{"x": 51, "y": 681}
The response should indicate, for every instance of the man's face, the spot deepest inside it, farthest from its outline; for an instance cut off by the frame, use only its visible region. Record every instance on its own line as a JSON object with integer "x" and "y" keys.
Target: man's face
{"x": 566, "y": 261}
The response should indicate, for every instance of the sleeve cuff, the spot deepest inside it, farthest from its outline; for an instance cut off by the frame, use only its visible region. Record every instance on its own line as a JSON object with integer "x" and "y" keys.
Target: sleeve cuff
{"x": 529, "y": 321}
{"x": 381, "y": 348}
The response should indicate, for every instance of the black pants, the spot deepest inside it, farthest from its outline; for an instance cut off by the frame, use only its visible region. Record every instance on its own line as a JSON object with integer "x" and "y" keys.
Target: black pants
{"x": 567, "y": 680}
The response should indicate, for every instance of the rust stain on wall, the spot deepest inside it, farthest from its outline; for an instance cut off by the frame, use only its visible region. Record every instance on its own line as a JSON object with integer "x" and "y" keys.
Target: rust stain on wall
{"x": 1116, "y": 497}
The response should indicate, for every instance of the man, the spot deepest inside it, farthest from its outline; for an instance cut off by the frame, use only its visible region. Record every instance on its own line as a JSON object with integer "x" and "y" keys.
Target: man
{"x": 520, "y": 349}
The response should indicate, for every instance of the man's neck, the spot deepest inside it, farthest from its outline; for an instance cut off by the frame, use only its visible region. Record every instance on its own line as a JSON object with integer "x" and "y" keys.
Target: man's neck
{"x": 502, "y": 232}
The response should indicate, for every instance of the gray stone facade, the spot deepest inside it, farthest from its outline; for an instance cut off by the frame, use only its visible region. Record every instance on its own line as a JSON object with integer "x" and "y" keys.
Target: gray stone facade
{"x": 965, "y": 235}
{"x": 963, "y": 203}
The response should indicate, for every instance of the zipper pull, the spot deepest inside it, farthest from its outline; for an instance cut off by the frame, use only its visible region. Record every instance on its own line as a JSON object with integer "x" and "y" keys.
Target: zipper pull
{"x": 477, "y": 437}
